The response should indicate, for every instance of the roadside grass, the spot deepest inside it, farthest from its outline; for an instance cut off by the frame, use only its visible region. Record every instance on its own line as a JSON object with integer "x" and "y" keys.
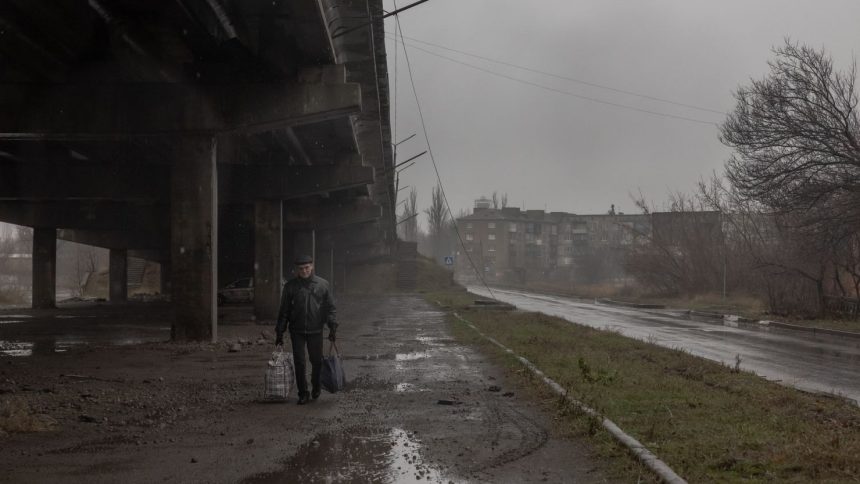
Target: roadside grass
{"x": 709, "y": 422}
{"x": 432, "y": 277}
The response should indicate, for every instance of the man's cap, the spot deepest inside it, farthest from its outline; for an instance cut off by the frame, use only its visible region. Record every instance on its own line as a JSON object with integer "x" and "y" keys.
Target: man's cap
{"x": 304, "y": 259}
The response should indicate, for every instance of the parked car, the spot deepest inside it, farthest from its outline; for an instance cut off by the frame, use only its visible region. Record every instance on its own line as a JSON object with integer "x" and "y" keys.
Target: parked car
{"x": 240, "y": 290}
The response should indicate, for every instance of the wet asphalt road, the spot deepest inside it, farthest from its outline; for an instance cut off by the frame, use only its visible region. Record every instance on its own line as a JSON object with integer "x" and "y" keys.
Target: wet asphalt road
{"x": 812, "y": 362}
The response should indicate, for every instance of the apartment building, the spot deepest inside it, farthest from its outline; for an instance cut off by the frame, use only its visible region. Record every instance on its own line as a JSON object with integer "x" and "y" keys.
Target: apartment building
{"x": 514, "y": 245}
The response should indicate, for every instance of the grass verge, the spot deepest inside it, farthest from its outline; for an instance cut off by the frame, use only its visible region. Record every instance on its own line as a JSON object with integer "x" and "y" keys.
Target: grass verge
{"x": 709, "y": 422}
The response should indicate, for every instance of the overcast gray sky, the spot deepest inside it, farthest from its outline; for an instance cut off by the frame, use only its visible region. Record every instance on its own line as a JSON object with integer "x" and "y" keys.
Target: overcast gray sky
{"x": 555, "y": 151}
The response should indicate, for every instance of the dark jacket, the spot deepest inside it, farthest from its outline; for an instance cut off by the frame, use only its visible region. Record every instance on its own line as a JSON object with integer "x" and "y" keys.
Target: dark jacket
{"x": 306, "y": 305}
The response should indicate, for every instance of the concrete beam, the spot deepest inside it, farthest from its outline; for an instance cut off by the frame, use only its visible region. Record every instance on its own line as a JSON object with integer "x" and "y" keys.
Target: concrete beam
{"x": 149, "y": 183}
{"x": 83, "y": 181}
{"x": 153, "y": 240}
{"x": 120, "y": 111}
{"x": 90, "y": 215}
{"x": 282, "y": 182}
{"x": 110, "y": 111}
{"x": 265, "y": 107}
{"x": 330, "y": 216}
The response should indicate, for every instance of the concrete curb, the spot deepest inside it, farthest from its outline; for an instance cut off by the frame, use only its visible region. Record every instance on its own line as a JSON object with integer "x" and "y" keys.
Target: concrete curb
{"x": 794, "y": 327}
{"x": 663, "y": 471}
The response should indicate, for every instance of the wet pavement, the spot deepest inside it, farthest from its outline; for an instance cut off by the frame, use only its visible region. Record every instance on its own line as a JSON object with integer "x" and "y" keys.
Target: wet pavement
{"x": 418, "y": 406}
{"x": 428, "y": 412}
{"x": 812, "y": 362}
{"x": 25, "y": 332}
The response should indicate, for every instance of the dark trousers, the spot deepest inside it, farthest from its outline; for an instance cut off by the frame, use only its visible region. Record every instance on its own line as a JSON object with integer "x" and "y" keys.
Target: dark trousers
{"x": 314, "y": 343}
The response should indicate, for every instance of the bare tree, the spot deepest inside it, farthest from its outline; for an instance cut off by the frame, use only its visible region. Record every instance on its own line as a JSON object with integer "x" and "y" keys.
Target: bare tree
{"x": 684, "y": 250}
{"x": 408, "y": 222}
{"x": 774, "y": 255}
{"x": 795, "y": 173}
{"x": 796, "y": 138}
{"x": 24, "y": 239}
{"x": 495, "y": 199}
{"x": 437, "y": 217}
{"x": 504, "y": 200}
{"x": 86, "y": 262}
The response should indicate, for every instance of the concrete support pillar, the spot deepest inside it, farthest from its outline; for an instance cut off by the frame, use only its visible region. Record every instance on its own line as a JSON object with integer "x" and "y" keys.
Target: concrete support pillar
{"x": 324, "y": 261}
{"x": 194, "y": 241}
{"x": 164, "y": 277}
{"x": 118, "y": 275}
{"x": 44, "y": 268}
{"x": 268, "y": 255}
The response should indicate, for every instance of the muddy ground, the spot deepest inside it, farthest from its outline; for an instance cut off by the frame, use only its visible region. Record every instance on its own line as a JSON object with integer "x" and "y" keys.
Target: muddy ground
{"x": 419, "y": 407}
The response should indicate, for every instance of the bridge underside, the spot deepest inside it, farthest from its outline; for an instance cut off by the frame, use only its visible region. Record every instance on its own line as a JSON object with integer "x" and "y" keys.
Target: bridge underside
{"x": 218, "y": 137}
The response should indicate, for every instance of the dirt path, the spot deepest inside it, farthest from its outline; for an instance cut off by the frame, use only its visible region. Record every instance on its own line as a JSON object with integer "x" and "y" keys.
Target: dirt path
{"x": 419, "y": 408}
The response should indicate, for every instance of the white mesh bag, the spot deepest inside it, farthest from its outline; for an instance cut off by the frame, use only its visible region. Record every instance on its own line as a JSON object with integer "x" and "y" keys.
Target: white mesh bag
{"x": 279, "y": 376}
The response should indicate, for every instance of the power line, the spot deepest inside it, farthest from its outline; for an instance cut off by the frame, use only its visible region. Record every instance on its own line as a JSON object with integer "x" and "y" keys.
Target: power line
{"x": 433, "y": 159}
{"x": 560, "y": 91}
{"x": 566, "y": 78}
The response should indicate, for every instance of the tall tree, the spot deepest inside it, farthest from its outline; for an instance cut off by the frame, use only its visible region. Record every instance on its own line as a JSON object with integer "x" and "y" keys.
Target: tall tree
{"x": 408, "y": 222}
{"x": 437, "y": 216}
{"x": 796, "y": 138}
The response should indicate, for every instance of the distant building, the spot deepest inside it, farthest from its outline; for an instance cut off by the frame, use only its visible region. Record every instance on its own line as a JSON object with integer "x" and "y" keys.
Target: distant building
{"x": 513, "y": 245}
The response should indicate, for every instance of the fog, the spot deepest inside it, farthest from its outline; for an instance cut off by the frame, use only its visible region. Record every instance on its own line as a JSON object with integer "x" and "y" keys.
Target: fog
{"x": 555, "y": 151}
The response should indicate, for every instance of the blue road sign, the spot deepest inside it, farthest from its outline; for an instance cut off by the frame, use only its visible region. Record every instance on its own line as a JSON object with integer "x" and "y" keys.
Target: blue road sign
{"x": 449, "y": 260}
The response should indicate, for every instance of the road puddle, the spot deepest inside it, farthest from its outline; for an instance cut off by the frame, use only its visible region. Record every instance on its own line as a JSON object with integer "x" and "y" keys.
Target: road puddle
{"x": 408, "y": 388}
{"x": 358, "y": 455}
{"x": 415, "y": 355}
{"x": 14, "y": 348}
{"x": 11, "y": 321}
{"x": 61, "y": 345}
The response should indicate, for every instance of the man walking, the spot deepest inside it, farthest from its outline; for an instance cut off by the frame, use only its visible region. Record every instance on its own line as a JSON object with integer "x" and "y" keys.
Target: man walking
{"x": 306, "y": 305}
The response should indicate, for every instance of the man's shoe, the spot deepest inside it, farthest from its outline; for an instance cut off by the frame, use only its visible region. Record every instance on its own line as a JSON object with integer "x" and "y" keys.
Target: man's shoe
{"x": 315, "y": 394}
{"x": 303, "y": 398}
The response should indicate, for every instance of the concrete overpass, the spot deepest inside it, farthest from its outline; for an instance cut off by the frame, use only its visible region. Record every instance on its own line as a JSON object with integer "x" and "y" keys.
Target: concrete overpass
{"x": 217, "y": 137}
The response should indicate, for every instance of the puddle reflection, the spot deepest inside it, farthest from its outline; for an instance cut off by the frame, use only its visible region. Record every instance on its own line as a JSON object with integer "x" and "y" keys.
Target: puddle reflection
{"x": 416, "y": 355}
{"x": 408, "y": 388}
{"x": 358, "y": 455}
{"x": 61, "y": 345}
{"x": 14, "y": 348}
